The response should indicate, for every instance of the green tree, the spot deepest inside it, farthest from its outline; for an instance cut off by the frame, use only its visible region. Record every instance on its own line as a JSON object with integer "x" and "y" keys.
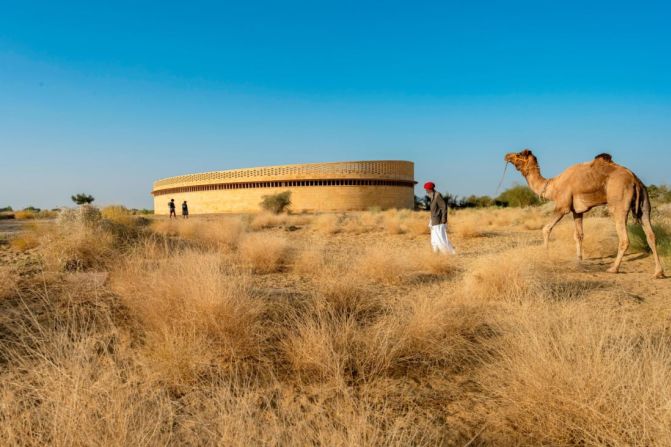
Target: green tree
{"x": 660, "y": 194}
{"x": 82, "y": 199}
{"x": 276, "y": 203}
{"x": 518, "y": 196}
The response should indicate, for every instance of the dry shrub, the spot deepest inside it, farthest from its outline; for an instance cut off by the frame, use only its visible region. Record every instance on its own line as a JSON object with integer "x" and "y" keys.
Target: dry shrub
{"x": 220, "y": 233}
{"x": 318, "y": 347}
{"x": 418, "y": 225}
{"x": 393, "y": 226}
{"x": 167, "y": 227}
{"x": 24, "y": 241}
{"x": 326, "y": 224}
{"x": 422, "y": 332}
{"x": 370, "y": 219}
{"x": 118, "y": 214}
{"x": 77, "y": 248}
{"x": 24, "y": 215}
{"x": 383, "y": 264}
{"x": 310, "y": 261}
{"x": 511, "y": 275}
{"x": 355, "y": 225}
{"x": 579, "y": 374}
{"x": 344, "y": 293}
{"x": 467, "y": 225}
{"x": 8, "y": 281}
{"x": 534, "y": 222}
{"x": 198, "y": 316}
{"x": 425, "y": 260}
{"x": 264, "y": 220}
{"x": 263, "y": 253}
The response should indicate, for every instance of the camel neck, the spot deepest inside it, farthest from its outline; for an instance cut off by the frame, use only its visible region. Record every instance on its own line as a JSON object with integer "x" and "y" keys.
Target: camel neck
{"x": 537, "y": 182}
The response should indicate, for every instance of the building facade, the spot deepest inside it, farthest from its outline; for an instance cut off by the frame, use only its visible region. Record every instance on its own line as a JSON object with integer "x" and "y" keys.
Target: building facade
{"x": 339, "y": 186}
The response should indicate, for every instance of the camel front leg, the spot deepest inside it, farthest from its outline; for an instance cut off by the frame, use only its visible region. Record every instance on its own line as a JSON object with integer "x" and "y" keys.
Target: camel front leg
{"x": 547, "y": 229}
{"x": 578, "y": 234}
{"x": 623, "y": 238}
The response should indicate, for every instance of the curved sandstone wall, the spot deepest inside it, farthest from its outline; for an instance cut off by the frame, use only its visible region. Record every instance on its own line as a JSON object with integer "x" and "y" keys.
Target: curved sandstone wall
{"x": 340, "y": 186}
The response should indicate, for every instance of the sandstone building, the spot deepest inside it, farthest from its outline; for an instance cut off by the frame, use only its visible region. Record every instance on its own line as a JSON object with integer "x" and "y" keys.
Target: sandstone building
{"x": 339, "y": 186}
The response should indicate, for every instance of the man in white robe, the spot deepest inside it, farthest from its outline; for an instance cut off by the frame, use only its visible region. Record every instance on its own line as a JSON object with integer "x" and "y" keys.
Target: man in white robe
{"x": 438, "y": 224}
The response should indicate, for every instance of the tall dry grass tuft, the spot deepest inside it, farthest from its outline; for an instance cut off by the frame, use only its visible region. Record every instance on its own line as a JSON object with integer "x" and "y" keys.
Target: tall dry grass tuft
{"x": 468, "y": 225}
{"x": 510, "y": 276}
{"x": 266, "y": 219}
{"x": 77, "y": 249}
{"x": 422, "y": 332}
{"x": 8, "y": 281}
{"x": 310, "y": 261}
{"x": 197, "y": 314}
{"x": 326, "y": 224}
{"x": 383, "y": 264}
{"x": 579, "y": 374}
{"x": 263, "y": 253}
{"x": 418, "y": 225}
{"x": 317, "y": 347}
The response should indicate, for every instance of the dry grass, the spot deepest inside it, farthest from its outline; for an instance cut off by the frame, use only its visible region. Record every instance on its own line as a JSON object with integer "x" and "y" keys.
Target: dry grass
{"x": 367, "y": 339}
{"x": 24, "y": 241}
{"x": 8, "y": 281}
{"x": 467, "y": 226}
{"x": 263, "y": 253}
{"x": 326, "y": 224}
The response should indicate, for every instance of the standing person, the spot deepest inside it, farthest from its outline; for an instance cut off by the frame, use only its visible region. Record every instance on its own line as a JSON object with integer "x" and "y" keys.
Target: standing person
{"x": 439, "y": 241}
{"x": 171, "y": 205}
{"x": 185, "y": 210}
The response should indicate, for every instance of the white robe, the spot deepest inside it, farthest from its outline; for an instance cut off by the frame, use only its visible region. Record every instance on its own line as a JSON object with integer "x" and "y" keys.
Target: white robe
{"x": 439, "y": 240}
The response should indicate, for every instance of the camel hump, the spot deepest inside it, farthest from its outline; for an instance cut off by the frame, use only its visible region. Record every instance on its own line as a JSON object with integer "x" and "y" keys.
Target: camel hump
{"x": 605, "y": 157}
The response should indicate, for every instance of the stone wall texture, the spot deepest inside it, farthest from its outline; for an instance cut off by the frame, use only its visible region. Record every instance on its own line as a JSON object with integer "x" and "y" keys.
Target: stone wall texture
{"x": 340, "y": 186}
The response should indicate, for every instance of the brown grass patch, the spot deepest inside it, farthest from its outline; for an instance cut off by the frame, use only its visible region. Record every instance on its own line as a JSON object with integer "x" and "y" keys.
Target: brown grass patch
{"x": 196, "y": 312}
{"x": 326, "y": 224}
{"x": 263, "y": 253}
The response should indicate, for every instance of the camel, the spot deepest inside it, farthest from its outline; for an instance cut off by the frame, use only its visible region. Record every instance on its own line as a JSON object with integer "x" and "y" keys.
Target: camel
{"x": 583, "y": 186}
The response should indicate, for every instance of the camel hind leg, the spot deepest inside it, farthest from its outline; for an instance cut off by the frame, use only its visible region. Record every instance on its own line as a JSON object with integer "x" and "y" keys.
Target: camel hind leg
{"x": 652, "y": 243}
{"x": 620, "y": 217}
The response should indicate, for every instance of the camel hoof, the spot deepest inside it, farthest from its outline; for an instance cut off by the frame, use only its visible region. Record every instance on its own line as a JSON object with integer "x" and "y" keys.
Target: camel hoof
{"x": 612, "y": 270}
{"x": 659, "y": 275}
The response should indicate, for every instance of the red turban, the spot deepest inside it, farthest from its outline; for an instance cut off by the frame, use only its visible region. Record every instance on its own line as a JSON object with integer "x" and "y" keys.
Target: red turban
{"x": 429, "y": 185}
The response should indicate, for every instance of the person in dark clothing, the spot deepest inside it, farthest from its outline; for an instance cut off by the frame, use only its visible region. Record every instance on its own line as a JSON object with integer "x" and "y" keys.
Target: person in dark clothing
{"x": 185, "y": 210}
{"x": 438, "y": 222}
{"x": 171, "y": 205}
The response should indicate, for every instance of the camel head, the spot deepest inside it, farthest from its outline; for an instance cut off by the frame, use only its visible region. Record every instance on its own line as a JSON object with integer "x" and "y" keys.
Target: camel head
{"x": 523, "y": 161}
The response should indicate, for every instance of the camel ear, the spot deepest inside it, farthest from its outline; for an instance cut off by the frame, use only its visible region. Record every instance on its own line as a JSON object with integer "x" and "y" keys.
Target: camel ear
{"x": 526, "y": 153}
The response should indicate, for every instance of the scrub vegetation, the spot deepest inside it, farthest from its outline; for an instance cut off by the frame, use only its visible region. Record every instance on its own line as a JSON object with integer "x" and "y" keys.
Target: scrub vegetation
{"x": 332, "y": 329}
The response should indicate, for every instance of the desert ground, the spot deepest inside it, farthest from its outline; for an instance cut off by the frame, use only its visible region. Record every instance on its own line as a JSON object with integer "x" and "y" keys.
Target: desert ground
{"x": 330, "y": 329}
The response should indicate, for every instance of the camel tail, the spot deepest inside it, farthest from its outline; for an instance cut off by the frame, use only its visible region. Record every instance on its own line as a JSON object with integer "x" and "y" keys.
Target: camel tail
{"x": 640, "y": 202}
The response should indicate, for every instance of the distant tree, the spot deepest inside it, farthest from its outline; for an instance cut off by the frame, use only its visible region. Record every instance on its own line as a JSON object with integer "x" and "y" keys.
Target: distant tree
{"x": 477, "y": 201}
{"x": 276, "y": 203}
{"x": 518, "y": 196}
{"x": 32, "y": 209}
{"x": 422, "y": 203}
{"x": 82, "y": 199}
{"x": 660, "y": 194}
{"x": 452, "y": 201}
{"x": 5, "y": 209}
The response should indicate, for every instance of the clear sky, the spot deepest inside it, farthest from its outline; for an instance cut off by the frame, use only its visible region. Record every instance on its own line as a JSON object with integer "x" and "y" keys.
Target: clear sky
{"x": 105, "y": 97}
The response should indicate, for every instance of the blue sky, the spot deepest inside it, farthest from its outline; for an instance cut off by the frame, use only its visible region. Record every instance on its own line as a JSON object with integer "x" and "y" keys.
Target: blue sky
{"x": 105, "y": 98}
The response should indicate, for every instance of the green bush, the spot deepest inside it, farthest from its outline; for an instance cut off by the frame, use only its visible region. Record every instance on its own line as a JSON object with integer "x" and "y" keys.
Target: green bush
{"x": 518, "y": 196}
{"x": 276, "y": 203}
{"x": 639, "y": 243}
